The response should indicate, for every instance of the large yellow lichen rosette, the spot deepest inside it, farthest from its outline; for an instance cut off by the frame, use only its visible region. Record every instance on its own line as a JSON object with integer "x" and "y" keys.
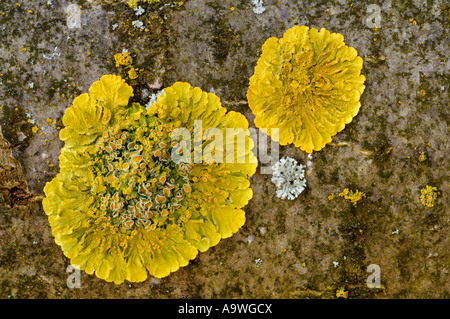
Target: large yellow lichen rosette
{"x": 308, "y": 85}
{"x": 121, "y": 207}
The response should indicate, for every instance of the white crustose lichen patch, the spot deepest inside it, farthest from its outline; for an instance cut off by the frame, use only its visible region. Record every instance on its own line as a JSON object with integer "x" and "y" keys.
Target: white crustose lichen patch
{"x": 258, "y": 7}
{"x": 289, "y": 178}
{"x": 139, "y": 11}
{"x": 137, "y": 24}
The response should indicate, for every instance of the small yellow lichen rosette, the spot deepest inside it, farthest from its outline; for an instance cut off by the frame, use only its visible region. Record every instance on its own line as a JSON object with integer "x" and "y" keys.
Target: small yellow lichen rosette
{"x": 120, "y": 207}
{"x": 308, "y": 85}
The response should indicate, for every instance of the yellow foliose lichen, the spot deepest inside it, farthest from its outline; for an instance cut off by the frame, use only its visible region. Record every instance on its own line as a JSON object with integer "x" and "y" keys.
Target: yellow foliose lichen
{"x": 308, "y": 85}
{"x": 121, "y": 207}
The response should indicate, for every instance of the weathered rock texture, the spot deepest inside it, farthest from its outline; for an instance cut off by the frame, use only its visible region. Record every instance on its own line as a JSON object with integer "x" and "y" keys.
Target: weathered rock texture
{"x": 305, "y": 248}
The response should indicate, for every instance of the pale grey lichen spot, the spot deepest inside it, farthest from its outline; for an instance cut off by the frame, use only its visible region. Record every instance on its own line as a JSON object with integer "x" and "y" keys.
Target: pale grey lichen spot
{"x": 139, "y": 11}
{"x": 289, "y": 178}
{"x": 138, "y": 24}
{"x": 258, "y": 7}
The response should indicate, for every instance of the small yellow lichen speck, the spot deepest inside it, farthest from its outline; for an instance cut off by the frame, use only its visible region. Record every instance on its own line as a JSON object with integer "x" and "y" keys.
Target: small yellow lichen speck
{"x": 132, "y": 4}
{"x": 341, "y": 293}
{"x": 422, "y": 157}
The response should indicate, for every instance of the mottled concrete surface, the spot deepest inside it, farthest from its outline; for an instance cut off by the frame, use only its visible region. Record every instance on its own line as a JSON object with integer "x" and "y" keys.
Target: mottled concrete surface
{"x": 306, "y": 248}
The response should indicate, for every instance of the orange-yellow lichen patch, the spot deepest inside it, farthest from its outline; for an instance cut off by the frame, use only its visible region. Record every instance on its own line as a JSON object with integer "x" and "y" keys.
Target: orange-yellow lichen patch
{"x": 133, "y": 73}
{"x": 307, "y": 84}
{"x": 353, "y": 196}
{"x": 341, "y": 293}
{"x": 123, "y": 59}
{"x": 428, "y": 195}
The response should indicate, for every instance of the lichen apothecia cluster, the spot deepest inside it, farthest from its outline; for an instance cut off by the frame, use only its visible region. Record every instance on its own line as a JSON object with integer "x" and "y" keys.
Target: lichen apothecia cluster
{"x": 141, "y": 178}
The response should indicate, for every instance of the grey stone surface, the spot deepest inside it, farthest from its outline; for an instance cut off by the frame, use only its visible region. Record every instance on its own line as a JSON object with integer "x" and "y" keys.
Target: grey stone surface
{"x": 306, "y": 248}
